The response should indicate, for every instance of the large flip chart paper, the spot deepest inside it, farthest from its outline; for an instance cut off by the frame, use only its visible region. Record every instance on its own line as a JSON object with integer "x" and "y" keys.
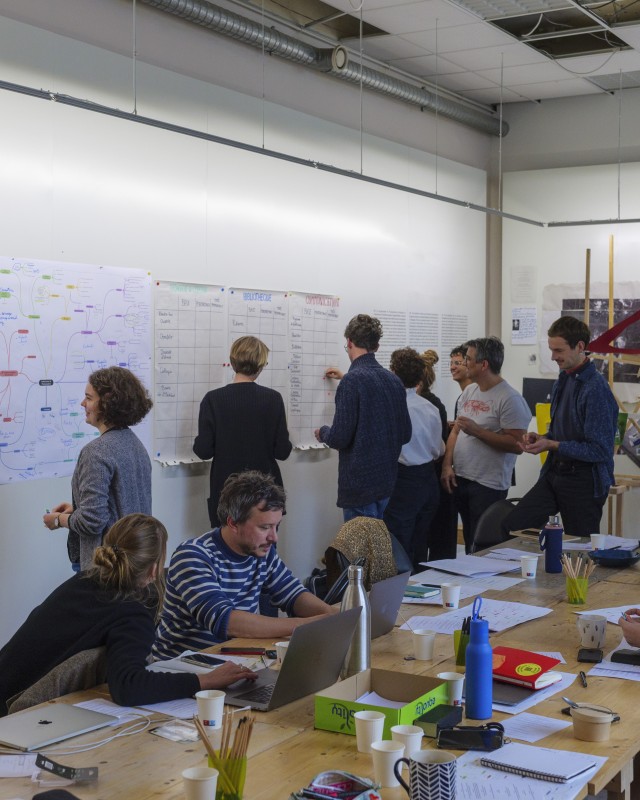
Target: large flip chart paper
{"x": 59, "y": 322}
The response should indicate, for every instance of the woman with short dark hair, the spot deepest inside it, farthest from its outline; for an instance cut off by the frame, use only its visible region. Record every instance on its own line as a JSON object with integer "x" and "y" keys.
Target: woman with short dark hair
{"x": 112, "y": 477}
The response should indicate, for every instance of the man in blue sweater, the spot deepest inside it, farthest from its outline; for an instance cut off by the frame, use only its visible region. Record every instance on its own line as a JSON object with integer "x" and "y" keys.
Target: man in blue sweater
{"x": 578, "y": 471}
{"x": 370, "y": 425}
{"x": 215, "y": 580}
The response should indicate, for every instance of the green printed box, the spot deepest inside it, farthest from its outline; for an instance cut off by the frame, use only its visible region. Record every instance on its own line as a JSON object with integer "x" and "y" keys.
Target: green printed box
{"x": 335, "y": 706}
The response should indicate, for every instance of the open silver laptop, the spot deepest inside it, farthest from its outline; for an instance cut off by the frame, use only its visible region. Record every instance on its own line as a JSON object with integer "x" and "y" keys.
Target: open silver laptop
{"x": 314, "y": 659}
{"x": 385, "y": 599}
{"x": 38, "y": 727}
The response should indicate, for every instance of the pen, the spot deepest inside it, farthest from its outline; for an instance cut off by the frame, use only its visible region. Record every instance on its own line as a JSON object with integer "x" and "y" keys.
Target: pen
{"x": 583, "y": 678}
{"x": 624, "y": 616}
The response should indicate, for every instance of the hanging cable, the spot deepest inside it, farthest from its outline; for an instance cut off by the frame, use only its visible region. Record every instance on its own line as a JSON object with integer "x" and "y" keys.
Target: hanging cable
{"x": 134, "y": 48}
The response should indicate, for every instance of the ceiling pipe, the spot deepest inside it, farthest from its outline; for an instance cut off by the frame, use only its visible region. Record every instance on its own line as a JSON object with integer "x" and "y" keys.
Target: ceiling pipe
{"x": 333, "y": 61}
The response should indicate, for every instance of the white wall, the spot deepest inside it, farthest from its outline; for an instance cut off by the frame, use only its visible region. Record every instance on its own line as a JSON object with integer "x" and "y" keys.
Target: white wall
{"x": 573, "y": 131}
{"x": 83, "y": 187}
{"x": 557, "y": 256}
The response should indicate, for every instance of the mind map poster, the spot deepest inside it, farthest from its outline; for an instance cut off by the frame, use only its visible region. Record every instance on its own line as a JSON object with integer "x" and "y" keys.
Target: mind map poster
{"x": 58, "y": 323}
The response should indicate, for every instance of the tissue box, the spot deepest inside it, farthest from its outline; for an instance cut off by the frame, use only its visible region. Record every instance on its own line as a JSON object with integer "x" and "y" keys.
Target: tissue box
{"x": 335, "y": 706}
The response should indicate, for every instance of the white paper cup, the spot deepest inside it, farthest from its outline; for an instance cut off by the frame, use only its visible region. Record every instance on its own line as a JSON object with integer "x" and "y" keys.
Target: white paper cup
{"x": 410, "y": 736}
{"x": 592, "y": 629}
{"x": 200, "y": 783}
{"x": 455, "y": 682}
{"x": 281, "y": 650}
{"x": 450, "y": 595}
{"x": 529, "y": 565}
{"x": 598, "y": 541}
{"x": 210, "y": 708}
{"x": 423, "y": 642}
{"x": 369, "y": 727}
{"x": 385, "y": 754}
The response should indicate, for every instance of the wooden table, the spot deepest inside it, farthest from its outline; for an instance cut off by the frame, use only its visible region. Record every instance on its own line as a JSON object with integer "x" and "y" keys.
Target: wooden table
{"x": 286, "y": 751}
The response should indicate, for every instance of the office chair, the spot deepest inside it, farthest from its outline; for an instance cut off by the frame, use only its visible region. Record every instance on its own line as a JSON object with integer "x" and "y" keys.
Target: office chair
{"x": 489, "y": 528}
{"x": 84, "y": 670}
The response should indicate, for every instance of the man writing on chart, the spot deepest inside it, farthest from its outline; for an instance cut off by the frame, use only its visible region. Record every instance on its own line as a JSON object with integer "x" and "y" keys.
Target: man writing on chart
{"x": 370, "y": 425}
{"x": 214, "y": 581}
{"x": 484, "y": 442}
{"x": 578, "y": 471}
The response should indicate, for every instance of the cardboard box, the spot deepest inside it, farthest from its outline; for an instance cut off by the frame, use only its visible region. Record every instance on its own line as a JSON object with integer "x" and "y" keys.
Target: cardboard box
{"x": 335, "y": 706}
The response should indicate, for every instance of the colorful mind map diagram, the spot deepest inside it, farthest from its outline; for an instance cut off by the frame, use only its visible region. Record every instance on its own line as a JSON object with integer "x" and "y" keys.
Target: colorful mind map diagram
{"x": 59, "y": 322}
{"x": 195, "y": 326}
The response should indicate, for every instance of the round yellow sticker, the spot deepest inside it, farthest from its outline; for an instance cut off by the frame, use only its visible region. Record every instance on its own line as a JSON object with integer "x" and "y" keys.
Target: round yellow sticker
{"x": 528, "y": 669}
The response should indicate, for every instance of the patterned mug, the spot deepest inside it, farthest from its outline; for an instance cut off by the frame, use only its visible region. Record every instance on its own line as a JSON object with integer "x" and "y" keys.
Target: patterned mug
{"x": 432, "y": 775}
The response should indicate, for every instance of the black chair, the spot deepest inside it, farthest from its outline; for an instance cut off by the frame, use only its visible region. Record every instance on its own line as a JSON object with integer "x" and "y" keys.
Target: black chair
{"x": 489, "y": 528}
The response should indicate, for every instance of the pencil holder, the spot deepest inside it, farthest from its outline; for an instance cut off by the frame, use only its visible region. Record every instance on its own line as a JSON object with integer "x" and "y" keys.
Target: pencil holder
{"x": 233, "y": 774}
{"x": 577, "y": 591}
{"x": 460, "y": 642}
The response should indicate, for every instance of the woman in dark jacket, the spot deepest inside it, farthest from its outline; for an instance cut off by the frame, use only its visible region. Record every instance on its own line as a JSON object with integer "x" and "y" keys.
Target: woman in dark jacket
{"x": 113, "y": 604}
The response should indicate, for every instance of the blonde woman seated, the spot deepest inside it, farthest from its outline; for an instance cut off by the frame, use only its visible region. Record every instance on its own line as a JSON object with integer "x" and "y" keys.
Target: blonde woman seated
{"x": 114, "y": 603}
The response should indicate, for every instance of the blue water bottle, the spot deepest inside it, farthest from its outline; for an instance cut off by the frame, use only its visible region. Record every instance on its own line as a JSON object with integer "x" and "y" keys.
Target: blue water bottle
{"x": 479, "y": 668}
{"x": 551, "y": 544}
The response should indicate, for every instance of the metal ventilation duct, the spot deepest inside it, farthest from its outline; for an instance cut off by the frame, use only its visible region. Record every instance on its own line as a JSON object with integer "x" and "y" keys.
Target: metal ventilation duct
{"x": 332, "y": 61}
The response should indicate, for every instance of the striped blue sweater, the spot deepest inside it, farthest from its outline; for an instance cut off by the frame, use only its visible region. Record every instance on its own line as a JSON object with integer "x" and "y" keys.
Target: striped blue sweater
{"x": 206, "y": 581}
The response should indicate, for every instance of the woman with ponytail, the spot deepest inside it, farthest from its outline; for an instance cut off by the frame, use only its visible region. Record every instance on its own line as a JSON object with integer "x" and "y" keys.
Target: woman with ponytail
{"x": 114, "y": 604}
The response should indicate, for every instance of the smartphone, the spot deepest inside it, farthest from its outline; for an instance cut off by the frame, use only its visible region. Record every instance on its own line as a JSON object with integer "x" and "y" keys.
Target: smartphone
{"x": 203, "y": 660}
{"x": 590, "y": 655}
{"x": 626, "y": 657}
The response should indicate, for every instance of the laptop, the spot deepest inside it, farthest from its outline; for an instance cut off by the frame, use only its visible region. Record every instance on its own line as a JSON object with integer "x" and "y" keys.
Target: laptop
{"x": 314, "y": 659}
{"x": 385, "y": 599}
{"x": 38, "y": 727}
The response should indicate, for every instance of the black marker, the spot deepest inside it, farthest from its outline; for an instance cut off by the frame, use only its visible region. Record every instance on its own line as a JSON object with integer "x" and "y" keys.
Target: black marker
{"x": 583, "y": 678}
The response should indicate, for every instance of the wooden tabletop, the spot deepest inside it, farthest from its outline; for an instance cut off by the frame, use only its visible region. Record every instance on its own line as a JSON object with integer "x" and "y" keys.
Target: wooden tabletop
{"x": 286, "y": 752}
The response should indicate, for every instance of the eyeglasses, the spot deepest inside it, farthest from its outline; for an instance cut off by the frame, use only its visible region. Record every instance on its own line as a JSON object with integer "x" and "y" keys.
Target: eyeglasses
{"x": 467, "y": 359}
{"x": 456, "y": 363}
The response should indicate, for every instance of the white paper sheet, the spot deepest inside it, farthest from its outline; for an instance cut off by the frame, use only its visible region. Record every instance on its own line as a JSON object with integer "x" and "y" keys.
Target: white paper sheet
{"x": 500, "y": 614}
{"x": 123, "y": 713}
{"x": 532, "y": 727}
{"x": 181, "y": 709}
{"x": 471, "y": 566}
{"x": 612, "y": 669}
{"x": 612, "y": 613}
{"x": 21, "y": 766}
{"x": 511, "y": 554}
{"x": 374, "y": 699}
{"x": 476, "y": 781}
{"x": 177, "y": 665}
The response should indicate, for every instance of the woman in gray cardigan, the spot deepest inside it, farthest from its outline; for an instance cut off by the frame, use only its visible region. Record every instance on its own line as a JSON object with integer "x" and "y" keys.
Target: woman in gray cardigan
{"x": 113, "y": 475}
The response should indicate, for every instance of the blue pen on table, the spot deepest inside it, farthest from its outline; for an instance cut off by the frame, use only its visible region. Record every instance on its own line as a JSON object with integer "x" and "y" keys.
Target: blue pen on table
{"x": 583, "y": 679}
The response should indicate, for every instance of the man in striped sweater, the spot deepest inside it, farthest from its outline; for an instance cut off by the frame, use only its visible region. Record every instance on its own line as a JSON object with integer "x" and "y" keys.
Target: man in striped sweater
{"x": 214, "y": 581}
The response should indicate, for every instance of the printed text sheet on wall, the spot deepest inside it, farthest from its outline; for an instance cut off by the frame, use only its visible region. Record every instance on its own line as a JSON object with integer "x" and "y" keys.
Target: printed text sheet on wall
{"x": 59, "y": 322}
{"x": 191, "y": 355}
{"x": 195, "y": 326}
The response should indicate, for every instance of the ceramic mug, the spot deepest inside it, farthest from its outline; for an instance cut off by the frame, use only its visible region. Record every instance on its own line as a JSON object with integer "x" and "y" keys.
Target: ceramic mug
{"x": 592, "y": 629}
{"x": 432, "y": 775}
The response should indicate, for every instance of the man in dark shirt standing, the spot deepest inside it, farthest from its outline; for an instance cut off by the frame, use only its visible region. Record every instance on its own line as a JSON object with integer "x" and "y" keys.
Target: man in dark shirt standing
{"x": 578, "y": 471}
{"x": 370, "y": 425}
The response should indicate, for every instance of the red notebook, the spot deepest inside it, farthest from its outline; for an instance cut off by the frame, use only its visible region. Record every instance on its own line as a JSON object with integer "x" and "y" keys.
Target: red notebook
{"x": 524, "y": 668}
